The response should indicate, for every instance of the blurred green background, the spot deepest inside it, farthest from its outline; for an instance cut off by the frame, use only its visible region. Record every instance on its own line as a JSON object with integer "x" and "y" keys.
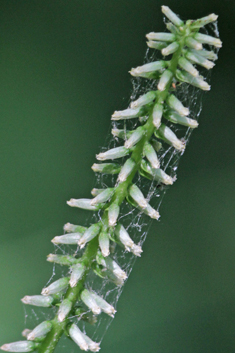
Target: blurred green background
{"x": 64, "y": 70}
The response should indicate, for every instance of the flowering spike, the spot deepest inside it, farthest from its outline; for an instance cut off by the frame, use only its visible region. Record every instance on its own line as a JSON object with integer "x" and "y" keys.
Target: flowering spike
{"x": 56, "y": 287}
{"x": 89, "y": 234}
{"x": 20, "y": 346}
{"x": 114, "y": 153}
{"x": 40, "y": 330}
{"x": 77, "y": 272}
{"x": 38, "y": 300}
{"x": 64, "y": 309}
{"x": 90, "y": 302}
{"x": 172, "y": 16}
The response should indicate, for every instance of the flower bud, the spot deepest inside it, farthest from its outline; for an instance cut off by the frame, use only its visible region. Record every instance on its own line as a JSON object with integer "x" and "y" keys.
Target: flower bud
{"x": 165, "y": 37}
{"x": 95, "y": 192}
{"x": 172, "y": 16}
{"x": 143, "y": 100}
{"x": 84, "y": 204}
{"x": 25, "y": 332}
{"x": 135, "y": 137}
{"x": 70, "y": 239}
{"x": 204, "y": 38}
{"x": 201, "y": 22}
{"x": 126, "y": 170}
{"x": 137, "y": 196}
{"x": 114, "y": 153}
{"x": 112, "y": 266}
{"x": 78, "y": 338}
{"x": 121, "y": 133}
{"x": 161, "y": 176}
{"x": 164, "y": 80}
{"x": 124, "y": 237}
{"x": 182, "y": 120}
{"x": 64, "y": 260}
{"x": 73, "y": 228}
{"x": 184, "y": 76}
{"x": 38, "y": 300}
{"x": 20, "y": 346}
{"x": 169, "y": 136}
{"x": 151, "y": 212}
{"x": 105, "y": 307}
{"x": 104, "y": 243}
{"x": 151, "y": 155}
{"x": 207, "y": 54}
{"x": 157, "y": 115}
{"x": 148, "y": 68}
{"x": 156, "y": 45}
{"x": 113, "y": 212}
{"x": 136, "y": 250}
{"x": 90, "y": 302}
{"x": 77, "y": 273}
{"x": 126, "y": 114}
{"x": 89, "y": 234}
{"x": 93, "y": 346}
{"x": 200, "y": 60}
{"x": 103, "y": 196}
{"x": 106, "y": 168}
{"x": 64, "y": 309}
{"x": 192, "y": 43}
{"x": 187, "y": 66}
{"x": 40, "y": 330}
{"x": 175, "y": 104}
{"x": 170, "y": 49}
{"x": 56, "y": 287}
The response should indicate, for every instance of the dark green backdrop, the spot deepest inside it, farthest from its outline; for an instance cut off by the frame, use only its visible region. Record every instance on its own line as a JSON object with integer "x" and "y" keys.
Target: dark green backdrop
{"x": 63, "y": 70}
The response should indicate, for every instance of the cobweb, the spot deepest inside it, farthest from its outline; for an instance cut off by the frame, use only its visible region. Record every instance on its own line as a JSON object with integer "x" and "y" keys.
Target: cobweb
{"x": 136, "y": 223}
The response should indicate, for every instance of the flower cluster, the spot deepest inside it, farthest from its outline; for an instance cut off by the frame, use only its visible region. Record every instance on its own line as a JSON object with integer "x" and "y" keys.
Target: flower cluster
{"x": 139, "y": 153}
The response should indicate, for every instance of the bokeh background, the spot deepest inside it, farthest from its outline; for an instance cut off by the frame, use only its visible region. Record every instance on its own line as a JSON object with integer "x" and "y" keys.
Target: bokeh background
{"x": 64, "y": 70}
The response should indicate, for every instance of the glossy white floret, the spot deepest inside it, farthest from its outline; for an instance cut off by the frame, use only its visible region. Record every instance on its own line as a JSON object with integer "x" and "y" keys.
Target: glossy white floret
{"x": 135, "y": 137}
{"x": 143, "y": 100}
{"x": 70, "y": 238}
{"x": 105, "y": 307}
{"x": 192, "y": 43}
{"x": 187, "y": 66}
{"x": 64, "y": 309}
{"x": 19, "y": 346}
{"x": 170, "y": 49}
{"x": 56, "y": 287}
{"x": 113, "y": 213}
{"x": 40, "y": 330}
{"x": 138, "y": 196}
{"x": 90, "y": 302}
{"x": 200, "y": 60}
{"x": 125, "y": 114}
{"x": 148, "y": 68}
{"x": 104, "y": 243}
{"x": 102, "y": 196}
{"x": 126, "y": 170}
{"x": 164, "y": 80}
{"x": 170, "y": 136}
{"x": 38, "y": 300}
{"x": 172, "y": 16}
{"x": 114, "y": 153}
{"x": 157, "y": 114}
{"x": 124, "y": 237}
{"x": 89, "y": 234}
{"x": 76, "y": 274}
{"x": 175, "y": 104}
{"x": 164, "y": 36}
{"x": 83, "y": 203}
{"x": 93, "y": 346}
{"x": 151, "y": 155}
{"x": 77, "y": 336}
{"x": 201, "y": 22}
{"x": 204, "y": 38}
